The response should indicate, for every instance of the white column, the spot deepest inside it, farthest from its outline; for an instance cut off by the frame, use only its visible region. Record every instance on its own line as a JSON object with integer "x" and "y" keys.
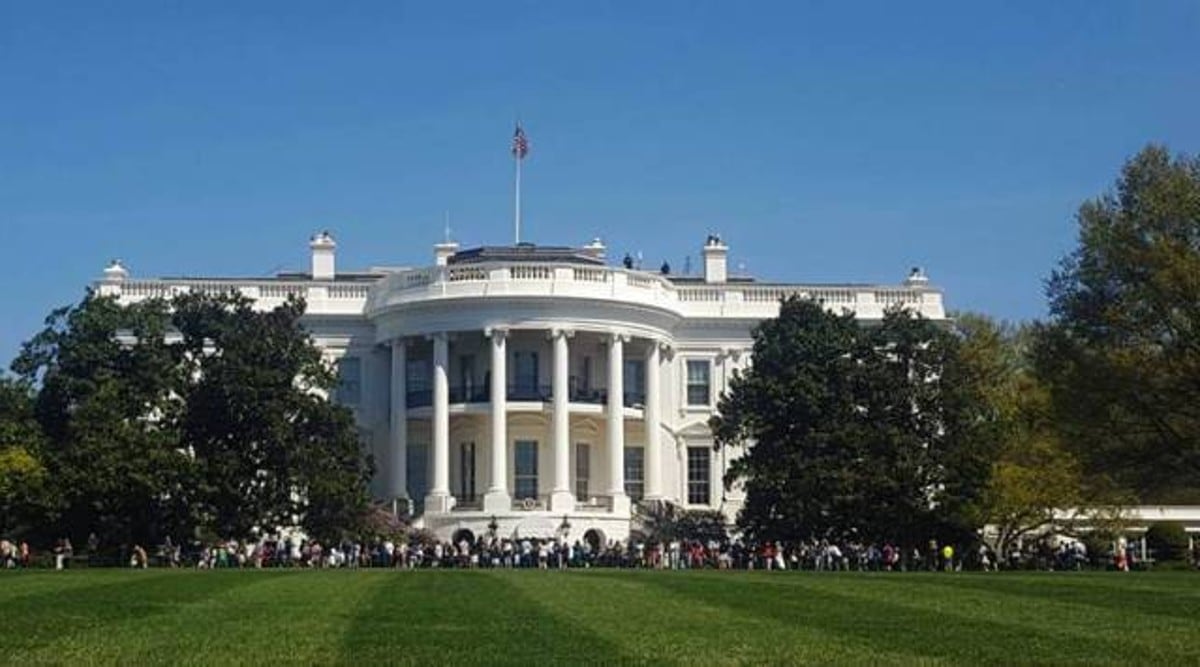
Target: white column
{"x": 397, "y": 477}
{"x": 561, "y": 497}
{"x": 497, "y": 498}
{"x": 616, "y": 423}
{"x": 652, "y": 422}
{"x": 439, "y": 499}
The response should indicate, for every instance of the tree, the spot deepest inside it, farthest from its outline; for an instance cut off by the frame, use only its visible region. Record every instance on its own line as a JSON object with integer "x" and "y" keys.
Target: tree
{"x": 667, "y": 522}
{"x": 25, "y": 497}
{"x": 165, "y": 418}
{"x": 270, "y": 450}
{"x": 870, "y": 432}
{"x": 104, "y": 375}
{"x": 1168, "y": 541}
{"x": 1034, "y": 478}
{"x": 1121, "y": 354}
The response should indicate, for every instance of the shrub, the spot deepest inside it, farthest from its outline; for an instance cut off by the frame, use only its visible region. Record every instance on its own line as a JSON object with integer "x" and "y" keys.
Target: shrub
{"x": 1168, "y": 541}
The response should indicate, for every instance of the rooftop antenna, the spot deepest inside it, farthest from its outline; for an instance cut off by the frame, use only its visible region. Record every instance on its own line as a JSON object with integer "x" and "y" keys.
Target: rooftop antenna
{"x": 446, "y": 230}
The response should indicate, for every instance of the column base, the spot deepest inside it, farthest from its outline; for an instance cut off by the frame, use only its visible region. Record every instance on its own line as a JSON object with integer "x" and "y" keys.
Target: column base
{"x": 438, "y": 503}
{"x": 497, "y": 501}
{"x": 621, "y": 504}
{"x": 401, "y": 505}
{"x": 562, "y": 501}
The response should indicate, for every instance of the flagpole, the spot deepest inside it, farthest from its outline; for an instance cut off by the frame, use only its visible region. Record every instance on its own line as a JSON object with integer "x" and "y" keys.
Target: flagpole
{"x": 517, "y": 215}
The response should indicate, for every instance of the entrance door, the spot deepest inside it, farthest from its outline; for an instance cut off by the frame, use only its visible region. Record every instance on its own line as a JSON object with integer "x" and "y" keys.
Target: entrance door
{"x": 466, "y": 472}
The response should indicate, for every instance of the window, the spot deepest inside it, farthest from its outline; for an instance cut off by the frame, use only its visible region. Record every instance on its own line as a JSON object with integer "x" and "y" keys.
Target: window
{"x": 466, "y": 378}
{"x": 634, "y": 382}
{"x": 525, "y": 471}
{"x": 698, "y": 474}
{"x": 417, "y": 382}
{"x": 635, "y": 473}
{"x": 583, "y": 469}
{"x": 699, "y": 387}
{"x": 466, "y": 472}
{"x": 349, "y": 389}
{"x": 525, "y": 375}
{"x": 417, "y": 375}
{"x": 417, "y": 459}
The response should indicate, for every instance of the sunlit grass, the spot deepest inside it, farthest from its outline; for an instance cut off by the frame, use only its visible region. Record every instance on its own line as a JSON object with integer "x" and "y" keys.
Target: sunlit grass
{"x": 549, "y": 617}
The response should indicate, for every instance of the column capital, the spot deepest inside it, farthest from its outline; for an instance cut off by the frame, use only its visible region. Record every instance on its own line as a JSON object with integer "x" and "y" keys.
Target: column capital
{"x": 662, "y": 346}
{"x": 399, "y": 342}
{"x": 734, "y": 353}
{"x": 560, "y": 332}
{"x": 618, "y": 336}
{"x": 496, "y": 333}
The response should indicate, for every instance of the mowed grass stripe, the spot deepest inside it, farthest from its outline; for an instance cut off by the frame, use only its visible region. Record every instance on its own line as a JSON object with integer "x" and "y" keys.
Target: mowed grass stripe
{"x": 1180, "y": 601}
{"x": 660, "y": 625}
{"x": 506, "y": 617}
{"x": 290, "y": 616}
{"x": 68, "y": 623}
{"x": 468, "y": 617}
{"x": 950, "y": 619}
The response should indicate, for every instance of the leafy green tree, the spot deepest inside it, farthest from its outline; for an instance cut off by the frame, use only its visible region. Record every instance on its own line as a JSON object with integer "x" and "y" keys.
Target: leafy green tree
{"x": 105, "y": 376}
{"x": 856, "y": 431}
{"x": 1168, "y": 541}
{"x": 1121, "y": 354}
{"x": 1033, "y": 477}
{"x": 26, "y": 500}
{"x": 666, "y": 522}
{"x": 270, "y": 450}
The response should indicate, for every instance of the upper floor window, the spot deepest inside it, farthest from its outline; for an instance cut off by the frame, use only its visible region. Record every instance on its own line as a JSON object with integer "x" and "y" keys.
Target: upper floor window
{"x": 525, "y": 373}
{"x": 699, "y": 382}
{"x": 634, "y": 381}
{"x": 349, "y": 389}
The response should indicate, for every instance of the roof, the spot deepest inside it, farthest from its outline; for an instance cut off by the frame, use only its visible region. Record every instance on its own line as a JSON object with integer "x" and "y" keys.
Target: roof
{"x": 525, "y": 252}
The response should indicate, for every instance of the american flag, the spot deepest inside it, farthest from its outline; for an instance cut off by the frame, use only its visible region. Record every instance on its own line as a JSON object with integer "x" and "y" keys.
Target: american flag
{"x": 520, "y": 145}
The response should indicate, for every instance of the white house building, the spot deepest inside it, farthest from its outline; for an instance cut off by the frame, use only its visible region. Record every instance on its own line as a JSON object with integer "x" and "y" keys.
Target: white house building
{"x": 536, "y": 389}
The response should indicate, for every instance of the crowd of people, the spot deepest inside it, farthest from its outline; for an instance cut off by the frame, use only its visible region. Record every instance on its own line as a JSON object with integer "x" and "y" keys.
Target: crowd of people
{"x": 422, "y": 551}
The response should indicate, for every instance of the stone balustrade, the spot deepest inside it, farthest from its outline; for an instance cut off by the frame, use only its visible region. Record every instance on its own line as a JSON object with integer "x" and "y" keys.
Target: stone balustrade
{"x": 698, "y": 300}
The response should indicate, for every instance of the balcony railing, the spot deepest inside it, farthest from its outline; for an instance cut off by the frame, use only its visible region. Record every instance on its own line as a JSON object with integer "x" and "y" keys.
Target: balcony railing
{"x": 688, "y": 298}
{"x": 419, "y": 398}
{"x": 469, "y": 394}
{"x": 423, "y": 398}
{"x": 530, "y": 392}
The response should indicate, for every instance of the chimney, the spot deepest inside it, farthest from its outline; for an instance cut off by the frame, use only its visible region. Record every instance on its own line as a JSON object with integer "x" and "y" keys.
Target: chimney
{"x": 322, "y": 246}
{"x": 716, "y": 254}
{"x": 442, "y": 252}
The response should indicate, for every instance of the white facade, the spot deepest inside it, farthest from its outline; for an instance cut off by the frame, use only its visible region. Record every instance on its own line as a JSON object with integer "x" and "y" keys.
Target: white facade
{"x": 529, "y": 388}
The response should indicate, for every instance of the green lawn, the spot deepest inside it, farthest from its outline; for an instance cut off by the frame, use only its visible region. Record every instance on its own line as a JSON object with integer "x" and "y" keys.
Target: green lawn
{"x": 452, "y": 617}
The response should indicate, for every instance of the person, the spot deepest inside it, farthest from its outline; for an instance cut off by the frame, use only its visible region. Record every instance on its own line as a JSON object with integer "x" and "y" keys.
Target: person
{"x": 140, "y": 560}
{"x": 948, "y": 558}
{"x": 985, "y": 560}
{"x": 59, "y": 554}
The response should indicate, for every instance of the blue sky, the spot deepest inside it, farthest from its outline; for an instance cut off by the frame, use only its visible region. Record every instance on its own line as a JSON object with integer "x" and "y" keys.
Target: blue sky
{"x": 825, "y": 141}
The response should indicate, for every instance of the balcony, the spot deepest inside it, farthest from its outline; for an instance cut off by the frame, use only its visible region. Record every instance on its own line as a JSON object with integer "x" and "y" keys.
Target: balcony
{"x": 469, "y": 394}
{"x": 530, "y": 392}
{"x": 419, "y": 398}
{"x": 423, "y": 398}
